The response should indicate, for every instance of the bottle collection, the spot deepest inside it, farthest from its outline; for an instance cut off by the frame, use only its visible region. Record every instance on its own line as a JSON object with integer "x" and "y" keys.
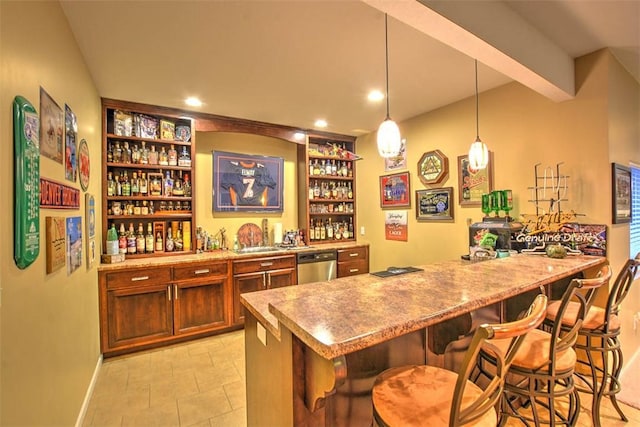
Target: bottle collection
{"x": 132, "y": 241}
{"x": 141, "y": 184}
{"x": 123, "y": 152}
{"x": 330, "y": 167}
{"x": 328, "y": 230}
{"x": 331, "y": 190}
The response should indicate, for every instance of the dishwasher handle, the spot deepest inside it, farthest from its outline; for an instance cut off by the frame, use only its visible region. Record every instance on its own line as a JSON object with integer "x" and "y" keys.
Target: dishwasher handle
{"x": 309, "y": 257}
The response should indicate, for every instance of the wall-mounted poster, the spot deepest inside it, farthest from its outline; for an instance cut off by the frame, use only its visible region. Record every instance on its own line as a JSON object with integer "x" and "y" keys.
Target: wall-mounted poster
{"x": 621, "y": 190}
{"x": 395, "y": 225}
{"x": 55, "y": 243}
{"x": 51, "y": 127}
{"x": 473, "y": 183}
{"x": 399, "y": 161}
{"x": 247, "y": 183}
{"x": 395, "y": 190}
{"x": 84, "y": 167}
{"x": 70, "y": 144}
{"x": 90, "y": 219}
{"x": 74, "y": 243}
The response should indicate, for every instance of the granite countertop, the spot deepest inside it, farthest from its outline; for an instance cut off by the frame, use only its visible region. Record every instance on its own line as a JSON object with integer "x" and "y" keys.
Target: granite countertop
{"x": 217, "y": 255}
{"x": 348, "y": 314}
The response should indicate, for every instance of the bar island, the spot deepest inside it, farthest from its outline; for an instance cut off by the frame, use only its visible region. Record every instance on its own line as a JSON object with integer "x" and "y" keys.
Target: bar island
{"x": 312, "y": 350}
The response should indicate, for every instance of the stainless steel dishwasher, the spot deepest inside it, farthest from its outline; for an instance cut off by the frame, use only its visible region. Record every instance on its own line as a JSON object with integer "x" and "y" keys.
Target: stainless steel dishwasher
{"x": 317, "y": 266}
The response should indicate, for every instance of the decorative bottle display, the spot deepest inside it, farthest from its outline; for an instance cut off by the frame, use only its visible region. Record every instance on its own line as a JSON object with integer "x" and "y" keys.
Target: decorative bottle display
{"x": 112, "y": 241}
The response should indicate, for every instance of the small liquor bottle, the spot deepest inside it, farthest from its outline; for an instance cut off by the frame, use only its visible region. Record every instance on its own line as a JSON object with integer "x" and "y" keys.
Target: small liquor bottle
{"x": 154, "y": 158}
{"x": 163, "y": 157}
{"x": 172, "y": 156}
{"x": 148, "y": 244}
{"x": 185, "y": 158}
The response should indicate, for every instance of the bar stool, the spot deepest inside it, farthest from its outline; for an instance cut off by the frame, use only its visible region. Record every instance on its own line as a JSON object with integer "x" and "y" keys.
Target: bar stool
{"x": 542, "y": 370}
{"x": 598, "y": 338}
{"x": 427, "y": 395}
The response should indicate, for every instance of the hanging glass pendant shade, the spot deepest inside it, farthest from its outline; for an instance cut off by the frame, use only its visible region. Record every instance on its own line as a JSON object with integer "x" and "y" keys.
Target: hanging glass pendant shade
{"x": 389, "y": 142}
{"x": 478, "y": 152}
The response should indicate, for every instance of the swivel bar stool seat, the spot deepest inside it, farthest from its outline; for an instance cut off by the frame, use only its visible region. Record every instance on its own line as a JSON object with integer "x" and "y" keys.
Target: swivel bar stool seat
{"x": 542, "y": 370}
{"x": 421, "y": 395}
{"x": 598, "y": 338}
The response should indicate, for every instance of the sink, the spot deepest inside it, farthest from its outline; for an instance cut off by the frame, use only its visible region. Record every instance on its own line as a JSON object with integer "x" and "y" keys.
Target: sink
{"x": 259, "y": 249}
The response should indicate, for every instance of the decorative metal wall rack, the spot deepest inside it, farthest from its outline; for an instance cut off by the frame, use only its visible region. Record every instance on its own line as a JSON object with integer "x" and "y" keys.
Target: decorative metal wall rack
{"x": 550, "y": 186}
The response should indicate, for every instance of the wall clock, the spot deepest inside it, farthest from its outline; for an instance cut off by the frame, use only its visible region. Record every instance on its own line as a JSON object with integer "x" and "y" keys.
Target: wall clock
{"x": 433, "y": 167}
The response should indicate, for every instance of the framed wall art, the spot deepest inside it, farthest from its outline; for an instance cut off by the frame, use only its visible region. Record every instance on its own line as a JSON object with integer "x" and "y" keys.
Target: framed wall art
{"x": 70, "y": 144}
{"x": 395, "y": 190}
{"x": 473, "y": 183}
{"x": 435, "y": 204}
{"x": 249, "y": 183}
{"x": 621, "y": 193}
{"x": 84, "y": 166}
{"x": 397, "y": 162}
{"x": 51, "y": 127}
{"x": 433, "y": 167}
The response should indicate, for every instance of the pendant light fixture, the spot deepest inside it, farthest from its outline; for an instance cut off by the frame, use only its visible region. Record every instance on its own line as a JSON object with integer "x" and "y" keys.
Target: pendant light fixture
{"x": 478, "y": 153}
{"x": 388, "y": 133}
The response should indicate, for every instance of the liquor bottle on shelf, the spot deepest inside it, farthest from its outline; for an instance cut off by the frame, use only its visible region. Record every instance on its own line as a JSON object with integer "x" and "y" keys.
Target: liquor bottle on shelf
{"x": 185, "y": 158}
{"x": 334, "y": 167}
{"x": 155, "y": 186}
{"x": 187, "y": 185}
{"x": 317, "y": 230}
{"x": 323, "y": 232}
{"x": 148, "y": 240}
{"x": 154, "y": 157}
{"x": 168, "y": 246}
{"x": 178, "y": 186}
{"x": 111, "y": 185}
{"x": 112, "y": 241}
{"x": 131, "y": 240}
{"x": 117, "y": 153}
{"x": 316, "y": 167}
{"x": 135, "y": 184}
{"x": 144, "y": 154}
{"x": 350, "y": 192}
{"x": 168, "y": 185}
{"x": 122, "y": 240}
{"x": 172, "y": 156}
{"x": 323, "y": 169}
{"x": 126, "y": 153}
{"x": 140, "y": 240}
{"x": 178, "y": 243}
{"x": 350, "y": 229}
{"x": 135, "y": 154}
{"x": 329, "y": 230}
{"x": 126, "y": 185}
{"x": 109, "y": 152}
{"x": 163, "y": 157}
{"x": 312, "y": 231}
{"x": 159, "y": 243}
{"x": 316, "y": 190}
{"x": 143, "y": 184}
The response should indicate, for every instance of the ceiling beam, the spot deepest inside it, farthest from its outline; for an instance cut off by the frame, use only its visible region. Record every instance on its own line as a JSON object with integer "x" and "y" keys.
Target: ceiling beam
{"x": 495, "y": 35}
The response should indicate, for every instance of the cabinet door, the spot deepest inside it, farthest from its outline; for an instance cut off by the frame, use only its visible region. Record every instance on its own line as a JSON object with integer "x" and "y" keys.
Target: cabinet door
{"x": 244, "y": 283}
{"x": 138, "y": 316}
{"x": 281, "y": 278}
{"x": 199, "y": 306}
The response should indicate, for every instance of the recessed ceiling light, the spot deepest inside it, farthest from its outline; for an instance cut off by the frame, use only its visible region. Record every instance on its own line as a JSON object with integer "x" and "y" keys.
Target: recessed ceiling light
{"x": 375, "y": 96}
{"x": 299, "y": 136}
{"x": 321, "y": 123}
{"x": 192, "y": 101}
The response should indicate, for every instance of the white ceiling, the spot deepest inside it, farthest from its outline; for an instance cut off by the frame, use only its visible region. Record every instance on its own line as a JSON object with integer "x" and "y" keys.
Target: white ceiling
{"x": 290, "y": 62}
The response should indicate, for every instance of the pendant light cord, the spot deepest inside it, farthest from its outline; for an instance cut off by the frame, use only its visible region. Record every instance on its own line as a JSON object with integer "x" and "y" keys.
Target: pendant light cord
{"x": 386, "y": 56}
{"x": 477, "y": 107}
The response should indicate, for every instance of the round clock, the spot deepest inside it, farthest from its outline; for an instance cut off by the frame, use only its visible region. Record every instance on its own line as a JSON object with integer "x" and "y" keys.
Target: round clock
{"x": 433, "y": 167}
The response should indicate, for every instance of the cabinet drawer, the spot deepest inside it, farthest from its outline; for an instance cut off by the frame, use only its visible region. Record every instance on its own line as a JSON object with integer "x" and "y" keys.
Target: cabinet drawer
{"x": 194, "y": 271}
{"x": 263, "y": 264}
{"x": 356, "y": 253}
{"x": 346, "y": 269}
{"x": 139, "y": 277}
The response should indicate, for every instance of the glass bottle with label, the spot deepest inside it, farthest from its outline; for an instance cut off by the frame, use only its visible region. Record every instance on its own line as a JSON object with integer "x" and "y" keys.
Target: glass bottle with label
{"x": 122, "y": 240}
{"x": 135, "y": 184}
{"x": 112, "y": 241}
{"x": 135, "y": 154}
{"x": 111, "y": 185}
{"x": 185, "y": 158}
{"x": 117, "y": 153}
{"x": 178, "y": 188}
{"x": 155, "y": 186}
{"x": 140, "y": 240}
{"x": 131, "y": 240}
{"x": 163, "y": 157}
{"x": 172, "y": 156}
{"x": 159, "y": 243}
{"x": 154, "y": 158}
{"x": 142, "y": 183}
{"x": 144, "y": 154}
{"x": 148, "y": 244}
{"x": 126, "y": 153}
{"x": 187, "y": 185}
{"x": 126, "y": 185}
{"x": 168, "y": 185}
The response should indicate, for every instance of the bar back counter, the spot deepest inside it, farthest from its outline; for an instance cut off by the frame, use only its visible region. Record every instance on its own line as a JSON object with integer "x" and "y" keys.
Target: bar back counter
{"x": 313, "y": 350}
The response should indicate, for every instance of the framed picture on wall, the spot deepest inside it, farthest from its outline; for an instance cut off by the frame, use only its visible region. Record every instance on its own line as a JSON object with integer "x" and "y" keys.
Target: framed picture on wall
{"x": 394, "y": 190}
{"x": 473, "y": 183}
{"x": 435, "y": 204}
{"x": 621, "y": 193}
{"x": 247, "y": 183}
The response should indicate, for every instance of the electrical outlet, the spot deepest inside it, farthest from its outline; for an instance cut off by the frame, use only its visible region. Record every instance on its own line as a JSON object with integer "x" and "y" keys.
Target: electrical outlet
{"x": 362, "y": 230}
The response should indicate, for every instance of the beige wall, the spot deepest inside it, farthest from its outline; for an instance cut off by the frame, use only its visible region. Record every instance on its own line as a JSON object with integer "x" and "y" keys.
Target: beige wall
{"x": 49, "y": 342}
{"x": 522, "y": 129}
{"x": 211, "y": 221}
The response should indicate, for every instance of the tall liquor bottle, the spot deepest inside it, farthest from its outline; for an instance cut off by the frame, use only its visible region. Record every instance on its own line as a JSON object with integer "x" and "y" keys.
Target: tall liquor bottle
{"x": 149, "y": 241}
{"x": 172, "y": 156}
{"x": 140, "y": 240}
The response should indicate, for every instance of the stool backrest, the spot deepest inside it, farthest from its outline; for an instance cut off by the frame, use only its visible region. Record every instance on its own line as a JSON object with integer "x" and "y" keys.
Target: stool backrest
{"x": 482, "y": 338}
{"x": 564, "y": 332}
{"x": 620, "y": 289}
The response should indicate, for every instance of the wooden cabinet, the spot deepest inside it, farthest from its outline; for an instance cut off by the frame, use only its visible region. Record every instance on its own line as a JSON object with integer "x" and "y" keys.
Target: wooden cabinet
{"x": 257, "y": 274}
{"x": 148, "y": 176}
{"x": 327, "y": 189}
{"x": 140, "y": 307}
{"x": 353, "y": 261}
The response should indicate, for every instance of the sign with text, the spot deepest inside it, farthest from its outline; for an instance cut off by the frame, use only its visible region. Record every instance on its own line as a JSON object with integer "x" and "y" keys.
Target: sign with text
{"x": 54, "y": 195}
{"x": 395, "y": 225}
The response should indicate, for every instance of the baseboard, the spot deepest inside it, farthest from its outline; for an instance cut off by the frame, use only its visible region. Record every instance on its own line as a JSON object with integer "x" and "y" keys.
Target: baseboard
{"x": 630, "y": 390}
{"x": 89, "y": 393}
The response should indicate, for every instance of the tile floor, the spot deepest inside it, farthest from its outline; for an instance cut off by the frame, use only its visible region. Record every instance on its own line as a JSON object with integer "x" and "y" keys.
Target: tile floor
{"x": 201, "y": 383}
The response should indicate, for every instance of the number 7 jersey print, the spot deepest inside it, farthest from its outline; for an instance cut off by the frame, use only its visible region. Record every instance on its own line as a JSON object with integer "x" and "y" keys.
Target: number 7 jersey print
{"x": 248, "y": 183}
